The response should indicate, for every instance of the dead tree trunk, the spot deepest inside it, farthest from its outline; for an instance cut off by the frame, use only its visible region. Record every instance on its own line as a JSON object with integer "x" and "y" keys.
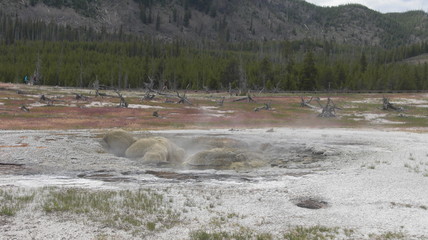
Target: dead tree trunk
{"x": 97, "y": 88}
{"x": 277, "y": 88}
{"x": 98, "y": 93}
{"x": 149, "y": 86}
{"x": 305, "y": 103}
{"x": 387, "y": 105}
{"x": 24, "y": 108}
{"x": 221, "y": 102}
{"x": 36, "y": 78}
{"x": 329, "y": 110}
{"x": 148, "y": 96}
{"x": 47, "y": 100}
{"x": 123, "y": 102}
{"x": 80, "y": 97}
{"x": 151, "y": 93}
{"x": 248, "y": 98}
{"x": 183, "y": 99}
{"x": 265, "y": 107}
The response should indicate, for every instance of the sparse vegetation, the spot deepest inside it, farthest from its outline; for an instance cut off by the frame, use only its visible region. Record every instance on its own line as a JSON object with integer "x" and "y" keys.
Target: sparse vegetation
{"x": 418, "y": 167}
{"x": 242, "y": 234}
{"x": 315, "y": 232}
{"x": 127, "y": 209}
{"x": 12, "y": 202}
{"x": 389, "y": 236}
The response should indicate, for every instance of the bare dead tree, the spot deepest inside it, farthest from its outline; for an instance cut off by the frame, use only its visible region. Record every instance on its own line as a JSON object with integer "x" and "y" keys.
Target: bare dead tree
{"x": 233, "y": 92}
{"x": 266, "y": 106}
{"x": 329, "y": 110}
{"x": 149, "y": 86}
{"x": 247, "y": 98}
{"x": 37, "y": 76}
{"x": 183, "y": 99}
{"x": 307, "y": 103}
{"x": 149, "y": 90}
{"x": 96, "y": 84}
{"x": 276, "y": 88}
{"x": 97, "y": 88}
{"x": 123, "y": 102}
{"x": 387, "y": 105}
{"x": 81, "y": 72}
{"x": 243, "y": 81}
{"x": 221, "y": 102}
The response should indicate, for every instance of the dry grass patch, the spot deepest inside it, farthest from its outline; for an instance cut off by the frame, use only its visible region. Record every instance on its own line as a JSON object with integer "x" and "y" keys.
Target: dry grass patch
{"x": 137, "y": 211}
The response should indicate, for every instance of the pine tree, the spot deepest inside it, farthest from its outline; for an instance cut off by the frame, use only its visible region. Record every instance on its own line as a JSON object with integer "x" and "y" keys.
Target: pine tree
{"x": 158, "y": 22}
{"x": 308, "y": 73}
{"x": 363, "y": 62}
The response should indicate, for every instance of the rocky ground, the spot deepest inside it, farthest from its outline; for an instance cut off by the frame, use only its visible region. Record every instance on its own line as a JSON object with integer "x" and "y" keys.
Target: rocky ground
{"x": 338, "y": 183}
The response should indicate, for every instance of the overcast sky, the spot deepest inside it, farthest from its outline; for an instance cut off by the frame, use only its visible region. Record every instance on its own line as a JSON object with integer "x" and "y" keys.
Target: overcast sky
{"x": 379, "y": 5}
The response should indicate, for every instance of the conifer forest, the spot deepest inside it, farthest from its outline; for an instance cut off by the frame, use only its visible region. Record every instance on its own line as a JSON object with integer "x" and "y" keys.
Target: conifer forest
{"x": 61, "y": 55}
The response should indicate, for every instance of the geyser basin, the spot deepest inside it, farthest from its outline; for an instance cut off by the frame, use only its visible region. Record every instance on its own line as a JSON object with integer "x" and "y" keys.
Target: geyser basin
{"x": 373, "y": 182}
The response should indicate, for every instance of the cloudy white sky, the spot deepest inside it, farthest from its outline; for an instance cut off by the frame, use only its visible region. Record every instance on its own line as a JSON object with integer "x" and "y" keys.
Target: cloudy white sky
{"x": 379, "y": 5}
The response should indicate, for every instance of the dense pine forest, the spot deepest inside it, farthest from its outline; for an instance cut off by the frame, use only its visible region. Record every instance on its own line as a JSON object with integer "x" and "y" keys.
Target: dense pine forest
{"x": 77, "y": 57}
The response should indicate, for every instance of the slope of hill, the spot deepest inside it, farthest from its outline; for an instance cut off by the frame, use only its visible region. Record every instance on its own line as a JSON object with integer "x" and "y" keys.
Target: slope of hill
{"x": 230, "y": 20}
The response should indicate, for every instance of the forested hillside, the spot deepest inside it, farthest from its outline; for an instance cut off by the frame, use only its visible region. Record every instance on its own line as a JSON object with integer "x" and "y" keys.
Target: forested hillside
{"x": 313, "y": 55}
{"x": 229, "y": 20}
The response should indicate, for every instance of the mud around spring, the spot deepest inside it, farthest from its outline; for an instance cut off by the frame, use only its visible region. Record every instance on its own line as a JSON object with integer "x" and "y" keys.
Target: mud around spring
{"x": 83, "y": 154}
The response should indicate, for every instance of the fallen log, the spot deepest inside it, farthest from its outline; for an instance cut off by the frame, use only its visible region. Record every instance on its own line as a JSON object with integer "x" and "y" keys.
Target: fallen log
{"x": 24, "y": 108}
{"x": 265, "y": 107}
{"x": 100, "y": 94}
{"x": 80, "y": 97}
{"x": 12, "y": 164}
{"x": 305, "y": 103}
{"x": 47, "y": 100}
{"x": 248, "y": 98}
{"x": 387, "y": 105}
